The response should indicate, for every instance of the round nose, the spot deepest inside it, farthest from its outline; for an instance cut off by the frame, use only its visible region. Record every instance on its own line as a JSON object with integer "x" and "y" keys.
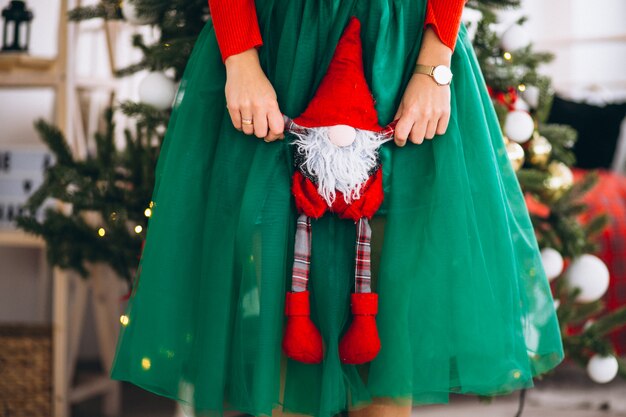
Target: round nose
{"x": 341, "y": 135}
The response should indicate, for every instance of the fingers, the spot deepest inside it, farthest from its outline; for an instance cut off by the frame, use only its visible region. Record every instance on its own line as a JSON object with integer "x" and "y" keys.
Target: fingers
{"x": 403, "y": 128}
{"x": 276, "y": 124}
{"x": 235, "y": 116}
{"x": 431, "y": 128}
{"x": 260, "y": 121}
{"x": 419, "y": 129}
{"x": 442, "y": 125}
{"x": 247, "y": 122}
{"x": 417, "y": 125}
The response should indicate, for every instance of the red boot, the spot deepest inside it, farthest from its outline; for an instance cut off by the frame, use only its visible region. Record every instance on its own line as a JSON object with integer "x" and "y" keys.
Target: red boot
{"x": 302, "y": 341}
{"x": 361, "y": 343}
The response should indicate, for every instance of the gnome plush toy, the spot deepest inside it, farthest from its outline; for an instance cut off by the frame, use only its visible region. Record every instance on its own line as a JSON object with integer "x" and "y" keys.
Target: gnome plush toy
{"x": 337, "y": 169}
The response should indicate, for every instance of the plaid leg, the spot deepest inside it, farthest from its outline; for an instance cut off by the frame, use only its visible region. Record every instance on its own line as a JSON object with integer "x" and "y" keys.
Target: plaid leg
{"x": 302, "y": 254}
{"x": 362, "y": 271}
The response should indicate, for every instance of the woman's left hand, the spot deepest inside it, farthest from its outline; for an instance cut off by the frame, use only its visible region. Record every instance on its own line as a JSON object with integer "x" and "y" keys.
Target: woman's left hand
{"x": 425, "y": 107}
{"x": 423, "y": 112}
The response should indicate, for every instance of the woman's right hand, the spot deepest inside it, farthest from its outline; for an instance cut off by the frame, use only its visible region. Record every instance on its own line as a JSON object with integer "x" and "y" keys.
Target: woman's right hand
{"x": 250, "y": 95}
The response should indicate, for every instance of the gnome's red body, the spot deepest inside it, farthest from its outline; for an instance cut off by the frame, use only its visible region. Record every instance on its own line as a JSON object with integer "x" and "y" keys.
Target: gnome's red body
{"x": 343, "y": 107}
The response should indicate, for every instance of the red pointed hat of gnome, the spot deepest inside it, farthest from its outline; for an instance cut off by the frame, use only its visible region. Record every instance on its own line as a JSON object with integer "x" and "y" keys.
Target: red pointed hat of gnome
{"x": 343, "y": 97}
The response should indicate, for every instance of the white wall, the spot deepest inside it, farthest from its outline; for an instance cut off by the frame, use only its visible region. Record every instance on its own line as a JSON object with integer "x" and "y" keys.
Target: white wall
{"x": 588, "y": 39}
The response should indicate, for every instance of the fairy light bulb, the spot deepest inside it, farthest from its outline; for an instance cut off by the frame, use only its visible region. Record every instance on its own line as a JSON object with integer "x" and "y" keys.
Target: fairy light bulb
{"x": 147, "y": 212}
{"x": 138, "y": 229}
{"x": 124, "y": 320}
{"x": 508, "y": 56}
{"x": 521, "y": 87}
{"x": 101, "y": 231}
{"x": 145, "y": 363}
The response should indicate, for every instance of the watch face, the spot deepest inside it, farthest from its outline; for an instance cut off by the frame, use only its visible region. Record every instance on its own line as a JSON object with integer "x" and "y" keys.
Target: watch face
{"x": 442, "y": 74}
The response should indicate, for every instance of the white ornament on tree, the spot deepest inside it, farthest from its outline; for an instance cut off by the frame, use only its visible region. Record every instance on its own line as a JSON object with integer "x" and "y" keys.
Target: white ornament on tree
{"x": 519, "y": 126}
{"x": 129, "y": 10}
{"x": 157, "y": 90}
{"x": 602, "y": 369}
{"x": 590, "y": 274}
{"x": 514, "y": 38}
{"x": 520, "y": 104}
{"x": 552, "y": 262}
{"x": 531, "y": 95}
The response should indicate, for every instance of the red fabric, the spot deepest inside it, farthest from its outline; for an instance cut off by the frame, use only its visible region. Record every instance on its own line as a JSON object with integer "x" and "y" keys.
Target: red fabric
{"x": 607, "y": 196}
{"x": 237, "y": 27}
{"x": 444, "y": 16}
{"x": 302, "y": 341}
{"x": 309, "y": 202}
{"x": 343, "y": 97}
{"x": 361, "y": 342}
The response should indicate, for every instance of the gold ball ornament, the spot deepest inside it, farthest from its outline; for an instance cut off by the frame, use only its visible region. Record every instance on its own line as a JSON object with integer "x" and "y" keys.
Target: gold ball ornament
{"x": 560, "y": 180}
{"x": 516, "y": 154}
{"x": 539, "y": 150}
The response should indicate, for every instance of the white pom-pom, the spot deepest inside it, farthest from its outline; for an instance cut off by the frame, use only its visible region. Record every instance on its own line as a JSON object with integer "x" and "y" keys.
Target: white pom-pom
{"x": 590, "y": 274}
{"x": 519, "y": 126}
{"x": 129, "y": 10}
{"x": 602, "y": 369}
{"x": 514, "y": 38}
{"x": 157, "y": 90}
{"x": 552, "y": 262}
{"x": 531, "y": 95}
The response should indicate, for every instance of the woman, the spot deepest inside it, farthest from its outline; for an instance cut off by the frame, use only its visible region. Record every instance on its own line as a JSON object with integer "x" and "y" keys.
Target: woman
{"x": 464, "y": 303}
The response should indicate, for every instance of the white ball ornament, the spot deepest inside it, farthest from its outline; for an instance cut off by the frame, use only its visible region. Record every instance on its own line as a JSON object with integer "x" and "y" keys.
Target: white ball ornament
{"x": 531, "y": 95}
{"x": 520, "y": 104}
{"x": 602, "y": 369}
{"x": 519, "y": 126}
{"x": 514, "y": 38}
{"x": 590, "y": 274}
{"x": 129, "y": 11}
{"x": 552, "y": 262}
{"x": 157, "y": 90}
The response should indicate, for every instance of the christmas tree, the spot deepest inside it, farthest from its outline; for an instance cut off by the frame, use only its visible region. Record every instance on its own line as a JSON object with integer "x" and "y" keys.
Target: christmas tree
{"x": 106, "y": 197}
{"x": 542, "y": 155}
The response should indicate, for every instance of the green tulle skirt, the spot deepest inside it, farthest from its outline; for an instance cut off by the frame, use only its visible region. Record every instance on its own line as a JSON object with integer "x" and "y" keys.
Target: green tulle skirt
{"x": 464, "y": 303}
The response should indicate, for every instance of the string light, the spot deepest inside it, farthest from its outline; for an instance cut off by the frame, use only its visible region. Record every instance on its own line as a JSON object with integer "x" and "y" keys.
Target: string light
{"x": 151, "y": 204}
{"x": 146, "y": 364}
{"x": 521, "y": 87}
{"x": 138, "y": 229}
{"x": 147, "y": 212}
{"x": 101, "y": 231}
{"x": 507, "y": 56}
{"x": 124, "y": 320}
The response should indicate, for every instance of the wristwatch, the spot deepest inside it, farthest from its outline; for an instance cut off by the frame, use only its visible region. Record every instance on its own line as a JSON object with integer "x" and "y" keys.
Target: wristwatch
{"x": 440, "y": 73}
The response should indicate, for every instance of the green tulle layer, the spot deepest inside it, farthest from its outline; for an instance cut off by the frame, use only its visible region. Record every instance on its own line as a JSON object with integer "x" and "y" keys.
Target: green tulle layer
{"x": 464, "y": 303}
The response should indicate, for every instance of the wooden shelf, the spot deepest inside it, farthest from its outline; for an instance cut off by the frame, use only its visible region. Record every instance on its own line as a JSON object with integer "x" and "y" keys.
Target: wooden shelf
{"x": 10, "y": 61}
{"x": 19, "y": 238}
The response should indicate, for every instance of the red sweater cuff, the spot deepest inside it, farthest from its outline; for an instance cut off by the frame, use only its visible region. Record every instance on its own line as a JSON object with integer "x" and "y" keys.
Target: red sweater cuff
{"x": 444, "y": 16}
{"x": 236, "y": 26}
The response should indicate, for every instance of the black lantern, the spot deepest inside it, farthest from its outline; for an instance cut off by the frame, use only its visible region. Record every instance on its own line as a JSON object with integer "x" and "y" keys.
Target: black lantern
{"x": 16, "y": 35}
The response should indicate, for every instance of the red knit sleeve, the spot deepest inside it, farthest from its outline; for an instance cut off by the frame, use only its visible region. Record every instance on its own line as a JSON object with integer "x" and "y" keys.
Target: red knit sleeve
{"x": 236, "y": 26}
{"x": 445, "y": 18}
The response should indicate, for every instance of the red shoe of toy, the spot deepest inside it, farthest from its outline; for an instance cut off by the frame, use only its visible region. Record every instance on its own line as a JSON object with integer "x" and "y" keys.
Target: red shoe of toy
{"x": 302, "y": 341}
{"x": 361, "y": 343}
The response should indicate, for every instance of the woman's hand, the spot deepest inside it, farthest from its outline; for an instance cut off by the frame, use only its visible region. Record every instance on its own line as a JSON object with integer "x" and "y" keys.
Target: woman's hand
{"x": 425, "y": 106}
{"x": 250, "y": 95}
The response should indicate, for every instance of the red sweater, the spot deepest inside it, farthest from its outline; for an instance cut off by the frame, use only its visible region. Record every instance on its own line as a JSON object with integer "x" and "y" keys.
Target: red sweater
{"x": 237, "y": 28}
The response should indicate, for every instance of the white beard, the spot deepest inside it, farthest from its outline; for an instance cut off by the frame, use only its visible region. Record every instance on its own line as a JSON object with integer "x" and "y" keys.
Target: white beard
{"x": 345, "y": 169}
